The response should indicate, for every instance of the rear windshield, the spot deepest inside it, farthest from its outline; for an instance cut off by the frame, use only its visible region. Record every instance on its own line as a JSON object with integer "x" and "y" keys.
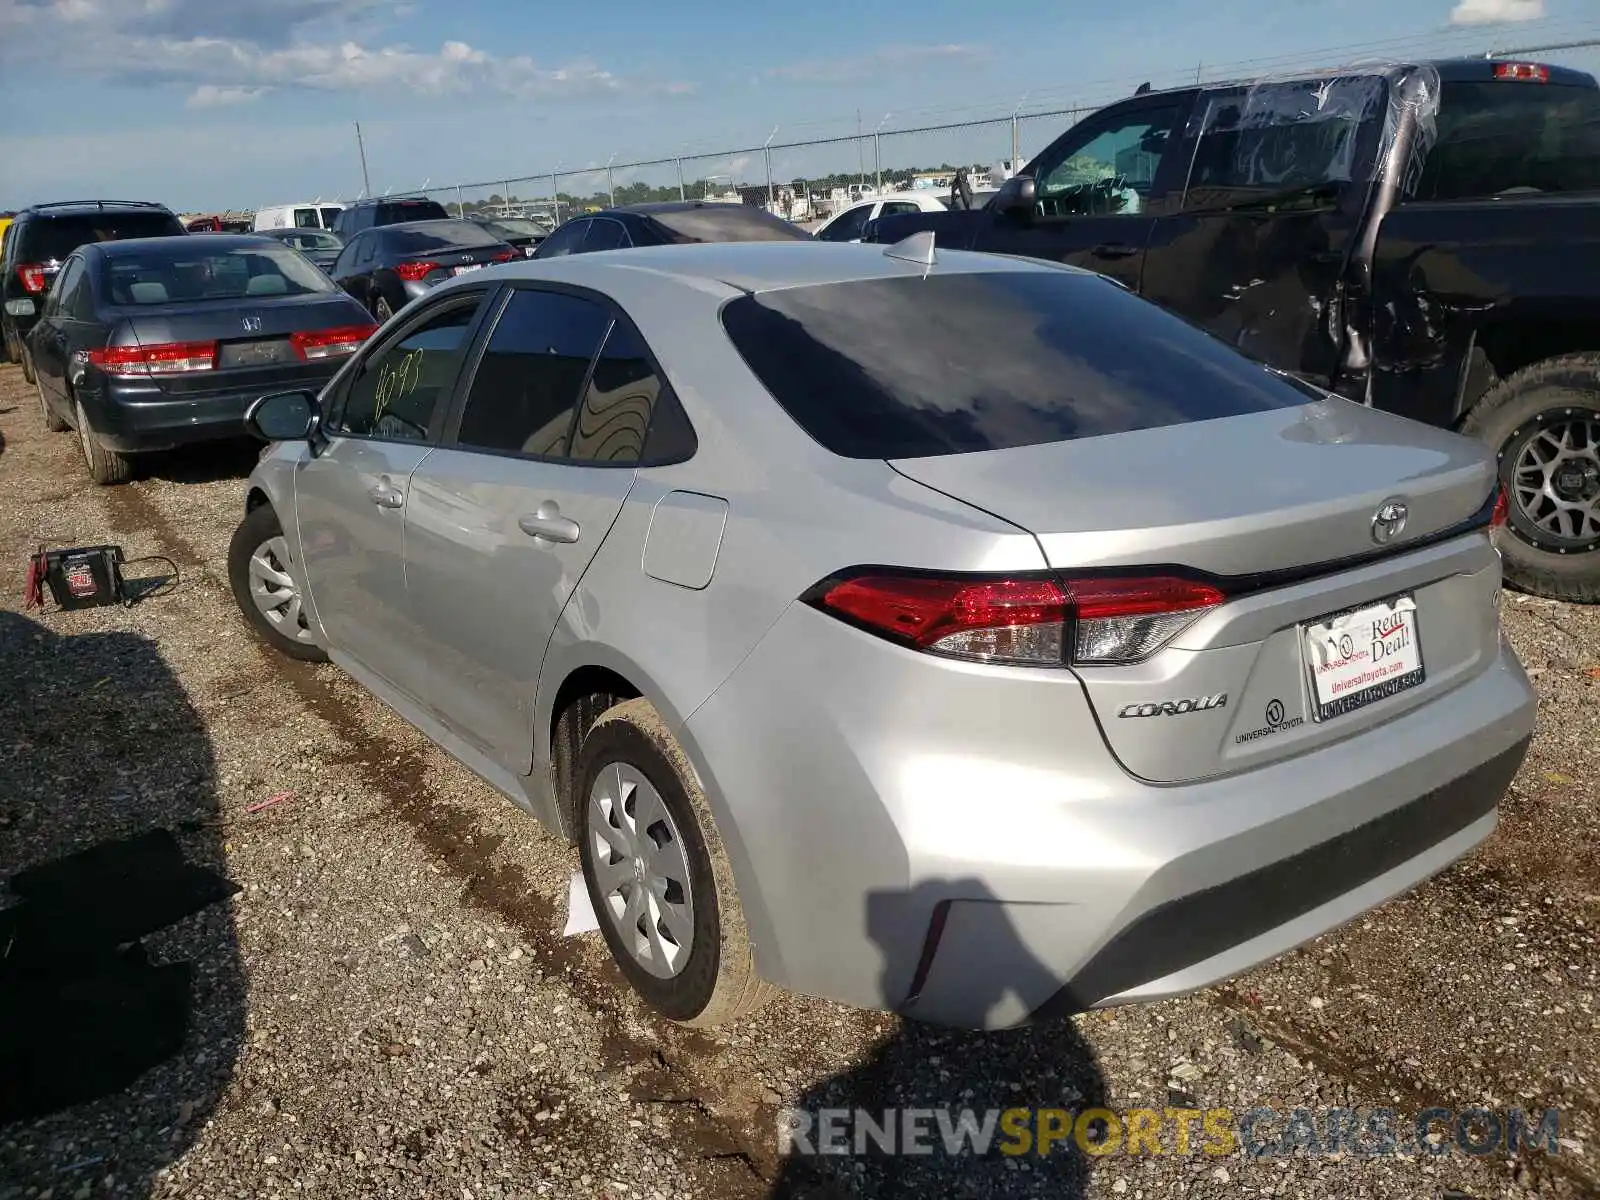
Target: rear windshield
{"x": 53, "y": 238}
{"x": 461, "y": 235}
{"x": 329, "y": 216}
{"x": 728, "y": 223}
{"x": 311, "y": 239}
{"x": 911, "y": 367}
{"x": 187, "y": 272}
{"x": 396, "y": 211}
{"x": 514, "y": 227}
{"x": 1503, "y": 135}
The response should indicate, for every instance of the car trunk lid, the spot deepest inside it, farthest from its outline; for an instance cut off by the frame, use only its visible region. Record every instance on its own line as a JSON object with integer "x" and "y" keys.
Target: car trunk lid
{"x": 1335, "y": 614}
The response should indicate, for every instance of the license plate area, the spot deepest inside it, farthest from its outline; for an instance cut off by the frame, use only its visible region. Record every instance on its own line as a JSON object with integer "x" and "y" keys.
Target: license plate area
{"x": 275, "y": 352}
{"x": 468, "y": 267}
{"x": 1357, "y": 657}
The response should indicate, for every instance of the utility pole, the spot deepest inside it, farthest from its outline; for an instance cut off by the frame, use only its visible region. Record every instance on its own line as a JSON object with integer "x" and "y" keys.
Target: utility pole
{"x": 366, "y": 184}
{"x": 861, "y": 151}
{"x": 766, "y": 152}
{"x": 611, "y": 182}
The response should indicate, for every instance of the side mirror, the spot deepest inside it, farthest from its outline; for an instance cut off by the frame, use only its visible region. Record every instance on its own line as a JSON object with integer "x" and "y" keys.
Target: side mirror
{"x": 283, "y": 416}
{"x": 1017, "y": 196}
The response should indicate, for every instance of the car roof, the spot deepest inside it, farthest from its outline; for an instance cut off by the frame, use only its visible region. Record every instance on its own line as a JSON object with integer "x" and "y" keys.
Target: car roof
{"x": 666, "y": 206}
{"x": 371, "y": 200}
{"x": 211, "y": 241}
{"x": 73, "y": 208}
{"x": 749, "y": 267}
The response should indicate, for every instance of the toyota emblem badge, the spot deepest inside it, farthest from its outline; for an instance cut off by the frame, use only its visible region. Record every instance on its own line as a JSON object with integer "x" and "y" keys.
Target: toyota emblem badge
{"x": 1389, "y": 522}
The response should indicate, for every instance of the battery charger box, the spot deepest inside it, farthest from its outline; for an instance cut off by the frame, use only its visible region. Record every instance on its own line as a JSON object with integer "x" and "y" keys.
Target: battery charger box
{"x": 84, "y": 576}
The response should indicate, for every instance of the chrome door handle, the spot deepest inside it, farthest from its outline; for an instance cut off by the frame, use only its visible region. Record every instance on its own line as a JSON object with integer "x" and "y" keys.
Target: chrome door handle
{"x": 549, "y": 524}
{"x": 385, "y": 495}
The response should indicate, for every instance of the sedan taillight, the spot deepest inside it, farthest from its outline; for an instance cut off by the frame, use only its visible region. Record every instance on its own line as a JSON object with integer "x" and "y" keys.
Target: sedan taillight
{"x": 330, "y": 343}
{"x": 415, "y": 272}
{"x": 1022, "y": 620}
{"x": 166, "y": 358}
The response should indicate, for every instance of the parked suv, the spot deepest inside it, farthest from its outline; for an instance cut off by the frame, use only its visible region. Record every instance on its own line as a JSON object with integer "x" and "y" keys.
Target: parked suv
{"x": 39, "y": 241}
{"x": 366, "y": 214}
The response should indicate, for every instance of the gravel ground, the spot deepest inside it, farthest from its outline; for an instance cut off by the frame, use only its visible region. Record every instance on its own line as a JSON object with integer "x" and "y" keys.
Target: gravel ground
{"x": 386, "y": 1006}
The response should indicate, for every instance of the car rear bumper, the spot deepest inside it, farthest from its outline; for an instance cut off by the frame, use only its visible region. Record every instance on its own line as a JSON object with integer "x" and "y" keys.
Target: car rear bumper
{"x": 955, "y": 842}
{"x": 135, "y": 418}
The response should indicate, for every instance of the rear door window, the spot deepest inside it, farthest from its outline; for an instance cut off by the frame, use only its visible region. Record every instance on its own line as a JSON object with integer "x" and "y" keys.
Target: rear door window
{"x": 909, "y": 367}
{"x": 566, "y": 240}
{"x": 605, "y": 234}
{"x": 1498, "y": 136}
{"x": 525, "y": 392}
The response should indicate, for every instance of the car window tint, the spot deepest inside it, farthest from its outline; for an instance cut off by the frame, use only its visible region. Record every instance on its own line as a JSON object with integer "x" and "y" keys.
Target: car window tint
{"x": 622, "y": 393}
{"x": 604, "y": 235}
{"x": 565, "y": 240}
{"x": 399, "y": 388}
{"x": 727, "y": 223}
{"x": 1494, "y": 136}
{"x": 907, "y": 367}
{"x": 526, "y": 388}
{"x": 1107, "y": 171}
{"x": 454, "y": 235}
{"x": 849, "y": 225}
{"x": 305, "y": 218}
{"x": 65, "y": 288}
{"x": 896, "y": 208}
{"x": 329, "y": 216}
{"x": 50, "y": 238}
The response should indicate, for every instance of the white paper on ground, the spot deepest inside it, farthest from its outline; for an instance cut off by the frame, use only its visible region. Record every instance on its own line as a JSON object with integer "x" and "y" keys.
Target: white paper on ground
{"x": 580, "y": 913}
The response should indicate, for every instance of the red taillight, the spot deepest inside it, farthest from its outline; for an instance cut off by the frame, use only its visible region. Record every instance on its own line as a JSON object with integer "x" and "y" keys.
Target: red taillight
{"x": 1502, "y": 508}
{"x": 1527, "y": 72}
{"x": 413, "y": 272}
{"x": 168, "y": 358}
{"x": 32, "y": 276}
{"x": 1025, "y": 621}
{"x": 331, "y": 343}
{"x": 506, "y": 256}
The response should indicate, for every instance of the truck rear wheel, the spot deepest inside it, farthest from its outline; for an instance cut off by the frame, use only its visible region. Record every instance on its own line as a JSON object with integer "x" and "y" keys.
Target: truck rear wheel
{"x": 1544, "y": 424}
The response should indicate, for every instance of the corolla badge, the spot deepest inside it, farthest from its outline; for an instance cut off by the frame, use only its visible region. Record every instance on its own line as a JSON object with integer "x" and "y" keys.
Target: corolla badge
{"x": 252, "y": 324}
{"x": 1389, "y": 522}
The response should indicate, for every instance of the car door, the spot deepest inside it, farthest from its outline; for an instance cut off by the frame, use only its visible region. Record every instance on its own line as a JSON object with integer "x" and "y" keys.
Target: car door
{"x": 1100, "y": 188}
{"x": 51, "y": 337}
{"x": 345, "y": 271}
{"x": 384, "y": 417}
{"x": 507, "y": 515}
{"x": 1275, "y": 196}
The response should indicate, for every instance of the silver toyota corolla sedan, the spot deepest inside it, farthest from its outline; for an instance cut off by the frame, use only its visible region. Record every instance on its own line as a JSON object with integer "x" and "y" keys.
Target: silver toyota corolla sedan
{"x": 932, "y": 631}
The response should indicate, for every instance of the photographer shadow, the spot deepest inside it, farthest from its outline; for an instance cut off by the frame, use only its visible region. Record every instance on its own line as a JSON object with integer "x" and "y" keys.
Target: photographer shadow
{"x": 965, "y": 1077}
{"x": 122, "y": 989}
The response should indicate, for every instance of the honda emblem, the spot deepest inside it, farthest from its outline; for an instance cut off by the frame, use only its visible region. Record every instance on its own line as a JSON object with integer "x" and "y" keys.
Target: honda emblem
{"x": 252, "y": 324}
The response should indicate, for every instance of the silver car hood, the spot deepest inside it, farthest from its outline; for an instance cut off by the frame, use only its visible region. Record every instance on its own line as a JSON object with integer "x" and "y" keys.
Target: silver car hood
{"x": 1238, "y": 495}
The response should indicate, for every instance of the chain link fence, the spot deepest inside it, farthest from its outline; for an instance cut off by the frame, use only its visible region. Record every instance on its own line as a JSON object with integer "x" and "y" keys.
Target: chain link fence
{"x": 797, "y": 178}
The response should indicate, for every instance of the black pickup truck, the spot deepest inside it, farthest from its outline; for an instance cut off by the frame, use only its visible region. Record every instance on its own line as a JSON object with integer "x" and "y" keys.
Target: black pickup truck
{"x": 1421, "y": 237}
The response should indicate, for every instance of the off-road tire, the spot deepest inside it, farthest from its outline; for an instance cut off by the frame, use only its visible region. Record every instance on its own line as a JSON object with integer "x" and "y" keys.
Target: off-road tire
{"x": 719, "y": 983}
{"x": 105, "y": 466}
{"x": 1498, "y": 418}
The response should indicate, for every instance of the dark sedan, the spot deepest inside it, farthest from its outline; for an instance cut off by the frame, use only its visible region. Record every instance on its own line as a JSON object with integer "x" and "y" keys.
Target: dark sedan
{"x": 153, "y": 343}
{"x": 517, "y": 232}
{"x": 388, "y": 266}
{"x": 671, "y": 223}
{"x": 320, "y": 246}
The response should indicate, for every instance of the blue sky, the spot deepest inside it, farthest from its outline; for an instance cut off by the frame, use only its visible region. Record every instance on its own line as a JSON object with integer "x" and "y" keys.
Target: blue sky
{"x": 207, "y": 105}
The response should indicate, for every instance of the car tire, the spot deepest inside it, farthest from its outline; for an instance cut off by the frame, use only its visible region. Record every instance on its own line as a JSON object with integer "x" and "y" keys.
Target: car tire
{"x": 1525, "y": 417}
{"x": 257, "y": 563}
{"x": 381, "y": 310}
{"x": 105, "y": 466}
{"x": 51, "y": 421}
{"x": 27, "y": 366}
{"x": 630, "y": 766}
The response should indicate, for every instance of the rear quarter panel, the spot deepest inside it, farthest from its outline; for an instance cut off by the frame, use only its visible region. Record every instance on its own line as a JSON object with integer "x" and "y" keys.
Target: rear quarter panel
{"x": 1518, "y": 277}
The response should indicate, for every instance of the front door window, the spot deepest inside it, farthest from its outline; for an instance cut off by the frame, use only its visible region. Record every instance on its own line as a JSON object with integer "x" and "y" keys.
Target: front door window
{"x": 1110, "y": 174}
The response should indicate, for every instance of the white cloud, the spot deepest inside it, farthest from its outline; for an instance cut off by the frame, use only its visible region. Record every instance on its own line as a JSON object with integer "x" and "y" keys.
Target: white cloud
{"x": 230, "y": 53}
{"x": 1489, "y": 12}
{"x": 210, "y": 96}
{"x": 862, "y": 68}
